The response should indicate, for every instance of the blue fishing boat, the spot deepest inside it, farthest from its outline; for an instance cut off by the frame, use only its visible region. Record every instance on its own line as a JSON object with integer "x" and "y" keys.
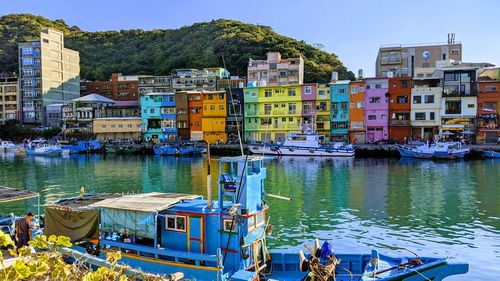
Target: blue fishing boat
{"x": 44, "y": 150}
{"x": 491, "y": 154}
{"x": 223, "y": 239}
{"x": 81, "y": 147}
{"x": 178, "y": 149}
{"x": 439, "y": 150}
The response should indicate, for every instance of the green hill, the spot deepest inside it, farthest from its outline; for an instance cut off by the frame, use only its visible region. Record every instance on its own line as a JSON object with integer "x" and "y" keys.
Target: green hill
{"x": 161, "y": 50}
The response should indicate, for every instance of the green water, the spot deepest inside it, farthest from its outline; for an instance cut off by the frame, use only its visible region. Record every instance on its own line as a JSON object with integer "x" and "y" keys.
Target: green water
{"x": 449, "y": 209}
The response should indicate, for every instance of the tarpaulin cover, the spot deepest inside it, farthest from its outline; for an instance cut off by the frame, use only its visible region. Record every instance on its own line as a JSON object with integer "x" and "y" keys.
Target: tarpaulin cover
{"x": 76, "y": 224}
{"x": 131, "y": 222}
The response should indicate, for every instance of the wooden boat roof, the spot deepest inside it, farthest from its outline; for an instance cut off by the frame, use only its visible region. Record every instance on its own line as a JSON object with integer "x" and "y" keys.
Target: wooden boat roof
{"x": 146, "y": 202}
{"x": 80, "y": 202}
{"x": 9, "y": 194}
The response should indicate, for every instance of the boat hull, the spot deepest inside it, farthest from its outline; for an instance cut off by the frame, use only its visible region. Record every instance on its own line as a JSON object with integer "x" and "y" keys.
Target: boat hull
{"x": 491, "y": 154}
{"x": 286, "y": 266}
{"x": 43, "y": 152}
{"x": 299, "y": 151}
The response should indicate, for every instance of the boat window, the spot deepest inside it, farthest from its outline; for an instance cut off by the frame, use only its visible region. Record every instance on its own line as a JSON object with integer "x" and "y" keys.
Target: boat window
{"x": 260, "y": 218}
{"x": 251, "y": 223}
{"x": 175, "y": 223}
{"x": 229, "y": 225}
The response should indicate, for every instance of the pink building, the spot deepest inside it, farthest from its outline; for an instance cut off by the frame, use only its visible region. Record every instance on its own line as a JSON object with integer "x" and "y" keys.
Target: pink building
{"x": 308, "y": 107}
{"x": 377, "y": 109}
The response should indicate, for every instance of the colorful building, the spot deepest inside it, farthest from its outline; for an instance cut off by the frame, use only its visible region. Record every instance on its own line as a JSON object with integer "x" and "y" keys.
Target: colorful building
{"x": 488, "y": 101}
{"x": 182, "y": 115}
{"x": 376, "y": 109}
{"x": 271, "y": 112}
{"x": 78, "y": 115}
{"x": 357, "y": 129}
{"x": 308, "y": 97}
{"x": 339, "y": 121}
{"x": 425, "y": 109}
{"x": 198, "y": 79}
{"x": 323, "y": 104}
{"x": 195, "y": 105}
{"x": 154, "y": 84}
{"x": 214, "y": 116}
{"x": 399, "y": 109}
{"x": 158, "y": 117}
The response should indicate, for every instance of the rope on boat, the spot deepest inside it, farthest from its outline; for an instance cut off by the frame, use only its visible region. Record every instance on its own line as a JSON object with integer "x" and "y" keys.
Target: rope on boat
{"x": 425, "y": 277}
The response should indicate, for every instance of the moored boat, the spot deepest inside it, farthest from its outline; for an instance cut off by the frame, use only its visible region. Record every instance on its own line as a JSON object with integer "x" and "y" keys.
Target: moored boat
{"x": 178, "y": 149}
{"x": 224, "y": 239}
{"x": 8, "y": 146}
{"x": 491, "y": 154}
{"x": 303, "y": 145}
{"x": 44, "y": 149}
{"x": 439, "y": 150}
{"x": 81, "y": 147}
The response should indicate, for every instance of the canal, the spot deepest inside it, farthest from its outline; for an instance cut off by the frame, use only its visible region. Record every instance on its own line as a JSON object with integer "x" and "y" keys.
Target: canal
{"x": 449, "y": 209}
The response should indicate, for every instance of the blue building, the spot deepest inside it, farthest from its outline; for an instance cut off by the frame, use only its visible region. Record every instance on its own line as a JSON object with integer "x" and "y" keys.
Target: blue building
{"x": 158, "y": 117}
{"x": 339, "y": 115}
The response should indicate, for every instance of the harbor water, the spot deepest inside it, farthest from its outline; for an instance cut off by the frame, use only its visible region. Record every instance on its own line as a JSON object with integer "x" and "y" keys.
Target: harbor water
{"x": 449, "y": 209}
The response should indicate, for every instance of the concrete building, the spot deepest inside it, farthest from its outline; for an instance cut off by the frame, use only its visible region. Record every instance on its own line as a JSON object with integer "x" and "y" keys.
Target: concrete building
{"x": 78, "y": 114}
{"x": 154, "y": 84}
{"x": 54, "y": 115}
{"x": 117, "y": 128}
{"x": 198, "y": 79}
{"x": 182, "y": 115}
{"x": 128, "y": 108}
{"x": 214, "y": 116}
{"x": 195, "y": 106}
{"x": 339, "y": 122}
{"x": 399, "y": 108}
{"x": 323, "y": 105}
{"x": 416, "y": 60}
{"x": 308, "y": 97}
{"x": 376, "y": 109}
{"x": 9, "y": 99}
{"x": 275, "y": 71}
{"x": 425, "y": 112}
{"x": 488, "y": 101}
{"x": 119, "y": 88}
{"x": 48, "y": 73}
{"x": 235, "y": 108}
{"x": 357, "y": 128}
{"x": 158, "y": 117}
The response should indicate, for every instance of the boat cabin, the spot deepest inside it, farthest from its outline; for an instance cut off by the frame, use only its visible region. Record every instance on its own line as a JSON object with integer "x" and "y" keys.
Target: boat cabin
{"x": 167, "y": 232}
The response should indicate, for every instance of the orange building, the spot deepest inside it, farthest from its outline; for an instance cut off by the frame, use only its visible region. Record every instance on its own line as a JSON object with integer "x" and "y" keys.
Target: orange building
{"x": 488, "y": 109}
{"x": 399, "y": 108}
{"x": 357, "y": 129}
{"x": 195, "y": 106}
{"x": 214, "y": 116}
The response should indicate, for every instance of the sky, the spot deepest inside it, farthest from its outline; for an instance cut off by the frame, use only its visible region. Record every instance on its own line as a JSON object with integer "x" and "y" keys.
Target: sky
{"x": 353, "y": 30}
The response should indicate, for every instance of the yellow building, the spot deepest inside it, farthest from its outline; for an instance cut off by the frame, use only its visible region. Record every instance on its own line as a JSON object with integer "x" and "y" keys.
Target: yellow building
{"x": 271, "y": 112}
{"x": 117, "y": 128}
{"x": 213, "y": 122}
{"x": 9, "y": 99}
{"x": 323, "y": 104}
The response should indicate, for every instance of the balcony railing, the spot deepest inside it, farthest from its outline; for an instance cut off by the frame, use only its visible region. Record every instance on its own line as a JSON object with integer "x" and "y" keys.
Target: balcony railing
{"x": 395, "y": 122}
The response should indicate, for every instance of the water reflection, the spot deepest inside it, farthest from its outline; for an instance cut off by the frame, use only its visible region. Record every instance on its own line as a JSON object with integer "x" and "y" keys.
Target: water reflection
{"x": 436, "y": 208}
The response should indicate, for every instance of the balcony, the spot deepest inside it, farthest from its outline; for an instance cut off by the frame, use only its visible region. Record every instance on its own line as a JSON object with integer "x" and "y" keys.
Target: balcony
{"x": 251, "y": 113}
{"x": 251, "y": 126}
{"x": 396, "y": 122}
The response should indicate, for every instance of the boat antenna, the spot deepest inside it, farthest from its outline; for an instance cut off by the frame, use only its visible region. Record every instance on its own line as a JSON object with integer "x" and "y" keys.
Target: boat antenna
{"x": 234, "y": 110}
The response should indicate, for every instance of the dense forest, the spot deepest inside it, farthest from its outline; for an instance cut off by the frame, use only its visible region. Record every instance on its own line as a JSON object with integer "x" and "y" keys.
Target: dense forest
{"x": 161, "y": 50}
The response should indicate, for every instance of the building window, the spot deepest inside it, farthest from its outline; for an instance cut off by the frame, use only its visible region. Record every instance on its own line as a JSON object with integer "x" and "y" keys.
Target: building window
{"x": 402, "y": 99}
{"x": 491, "y": 88}
{"x": 470, "y": 105}
{"x": 292, "y": 108}
{"x": 354, "y": 89}
{"x": 378, "y": 86}
{"x": 212, "y": 107}
{"x": 372, "y": 117}
{"x": 321, "y": 92}
{"x": 417, "y": 99}
{"x": 343, "y": 105}
{"x": 454, "y": 51}
{"x": 419, "y": 115}
{"x": 229, "y": 225}
{"x": 290, "y": 119}
{"x": 175, "y": 223}
{"x": 404, "y": 84}
{"x": 308, "y": 90}
{"x": 383, "y": 117}
{"x": 342, "y": 91}
{"x": 453, "y": 107}
{"x": 120, "y": 125}
{"x": 268, "y": 93}
{"x": 152, "y": 110}
{"x": 432, "y": 115}
{"x": 429, "y": 98}
{"x": 374, "y": 99}
{"x": 361, "y": 104}
{"x": 291, "y": 92}
{"x": 352, "y": 105}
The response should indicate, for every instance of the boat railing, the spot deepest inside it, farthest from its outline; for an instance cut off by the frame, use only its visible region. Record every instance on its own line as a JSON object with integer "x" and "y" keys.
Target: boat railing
{"x": 146, "y": 251}
{"x": 321, "y": 148}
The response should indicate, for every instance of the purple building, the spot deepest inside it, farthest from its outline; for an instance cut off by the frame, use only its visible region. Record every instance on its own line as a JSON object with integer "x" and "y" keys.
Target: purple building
{"x": 308, "y": 107}
{"x": 377, "y": 109}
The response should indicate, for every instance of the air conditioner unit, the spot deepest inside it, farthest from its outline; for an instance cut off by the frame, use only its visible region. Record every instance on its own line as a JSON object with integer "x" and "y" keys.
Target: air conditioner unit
{"x": 390, "y": 74}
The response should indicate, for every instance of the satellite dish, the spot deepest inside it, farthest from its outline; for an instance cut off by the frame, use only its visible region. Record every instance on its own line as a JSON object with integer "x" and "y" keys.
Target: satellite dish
{"x": 426, "y": 55}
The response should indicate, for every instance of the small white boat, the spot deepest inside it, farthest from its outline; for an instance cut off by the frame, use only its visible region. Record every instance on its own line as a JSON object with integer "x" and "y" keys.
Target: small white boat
{"x": 44, "y": 149}
{"x": 8, "y": 146}
{"x": 303, "y": 145}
